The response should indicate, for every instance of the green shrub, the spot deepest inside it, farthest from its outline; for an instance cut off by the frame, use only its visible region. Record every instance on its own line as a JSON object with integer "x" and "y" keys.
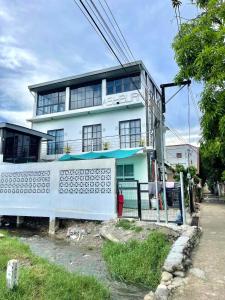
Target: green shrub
{"x": 128, "y": 225}
{"x": 138, "y": 262}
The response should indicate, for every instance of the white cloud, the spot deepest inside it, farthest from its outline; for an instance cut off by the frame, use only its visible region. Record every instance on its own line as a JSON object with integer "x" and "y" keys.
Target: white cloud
{"x": 181, "y": 136}
{"x": 4, "y": 13}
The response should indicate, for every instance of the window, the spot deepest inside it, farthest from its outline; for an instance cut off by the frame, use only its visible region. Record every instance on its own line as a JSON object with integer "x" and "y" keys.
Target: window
{"x": 130, "y": 133}
{"x": 51, "y": 102}
{"x": 125, "y": 84}
{"x": 20, "y": 148}
{"x": 179, "y": 155}
{"x": 56, "y": 146}
{"x": 86, "y": 96}
{"x": 92, "y": 138}
{"x": 125, "y": 172}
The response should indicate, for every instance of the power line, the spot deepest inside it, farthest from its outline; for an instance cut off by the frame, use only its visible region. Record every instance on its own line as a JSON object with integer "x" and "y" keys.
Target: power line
{"x": 119, "y": 30}
{"x": 122, "y": 40}
{"x": 97, "y": 28}
{"x": 107, "y": 30}
{"x": 110, "y": 47}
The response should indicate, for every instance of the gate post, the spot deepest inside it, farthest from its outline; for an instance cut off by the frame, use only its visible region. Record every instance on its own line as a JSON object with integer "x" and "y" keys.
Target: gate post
{"x": 182, "y": 198}
{"x": 139, "y": 200}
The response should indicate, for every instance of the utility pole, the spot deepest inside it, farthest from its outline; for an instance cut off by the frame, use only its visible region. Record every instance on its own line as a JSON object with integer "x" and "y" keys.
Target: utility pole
{"x": 163, "y": 110}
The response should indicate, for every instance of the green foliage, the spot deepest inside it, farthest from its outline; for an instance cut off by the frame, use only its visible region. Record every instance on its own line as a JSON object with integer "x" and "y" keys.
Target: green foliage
{"x": 128, "y": 225}
{"x": 41, "y": 280}
{"x": 223, "y": 176}
{"x": 138, "y": 262}
{"x": 199, "y": 52}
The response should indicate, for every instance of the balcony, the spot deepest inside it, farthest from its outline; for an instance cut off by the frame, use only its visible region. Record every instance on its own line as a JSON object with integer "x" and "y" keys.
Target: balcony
{"x": 54, "y": 150}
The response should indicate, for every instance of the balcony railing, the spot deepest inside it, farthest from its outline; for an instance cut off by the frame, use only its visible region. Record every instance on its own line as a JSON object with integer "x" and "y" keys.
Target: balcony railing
{"x": 53, "y": 150}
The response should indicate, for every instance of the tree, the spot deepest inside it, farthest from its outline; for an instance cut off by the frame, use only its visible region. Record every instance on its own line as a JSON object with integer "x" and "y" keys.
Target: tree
{"x": 200, "y": 54}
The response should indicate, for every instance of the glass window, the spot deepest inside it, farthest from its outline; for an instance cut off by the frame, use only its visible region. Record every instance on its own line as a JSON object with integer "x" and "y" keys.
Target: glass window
{"x": 51, "y": 103}
{"x": 130, "y": 133}
{"x": 179, "y": 155}
{"x": 92, "y": 138}
{"x": 20, "y": 148}
{"x": 125, "y": 172}
{"x": 86, "y": 96}
{"x": 56, "y": 146}
{"x": 125, "y": 84}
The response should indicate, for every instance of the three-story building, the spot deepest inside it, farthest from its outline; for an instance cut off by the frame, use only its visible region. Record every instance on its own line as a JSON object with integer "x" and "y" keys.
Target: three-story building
{"x": 104, "y": 110}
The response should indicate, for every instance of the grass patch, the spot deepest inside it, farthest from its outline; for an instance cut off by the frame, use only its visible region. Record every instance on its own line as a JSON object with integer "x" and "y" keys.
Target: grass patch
{"x": 128, "y": 225}
{"x": 41, "y": 280}
{"x": 138, "y": 262}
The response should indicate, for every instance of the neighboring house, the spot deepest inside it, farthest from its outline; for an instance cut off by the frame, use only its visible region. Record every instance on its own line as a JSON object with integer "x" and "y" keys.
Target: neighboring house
{"x": 19, "y": 144}
{"x": 102, "y": 110}
{"x": 184, "y": 154}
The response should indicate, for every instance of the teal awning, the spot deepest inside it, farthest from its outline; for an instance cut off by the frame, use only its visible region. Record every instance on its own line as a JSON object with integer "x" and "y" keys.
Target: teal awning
{"x": 101, "y": 154}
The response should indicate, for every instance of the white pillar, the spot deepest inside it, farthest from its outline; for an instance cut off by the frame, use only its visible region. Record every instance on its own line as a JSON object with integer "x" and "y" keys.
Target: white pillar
{"x": 53, "y": 225}
{"x": 35, "y": 95}
{"x": 103, "y": 90}
{"x": 67, "y": 102}
{"x": 19, "y": 221}
{"x": 182, "y": 198}
{"x": 156, "y": 190}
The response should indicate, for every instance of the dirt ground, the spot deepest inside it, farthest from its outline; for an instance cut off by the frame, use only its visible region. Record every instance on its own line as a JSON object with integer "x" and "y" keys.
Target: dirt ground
{"x": 206, "y": 279}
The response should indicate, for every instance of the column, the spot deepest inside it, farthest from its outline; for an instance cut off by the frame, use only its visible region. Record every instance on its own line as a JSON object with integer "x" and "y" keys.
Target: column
{"x": 53, "y": 225}
{"x": 19, "y": 221}
{"x": 67, "y": 103}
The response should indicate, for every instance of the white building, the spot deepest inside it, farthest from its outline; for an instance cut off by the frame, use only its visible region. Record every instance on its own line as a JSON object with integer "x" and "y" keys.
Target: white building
{"x": 184, "y": 154}
{"x": 102, "y": 110}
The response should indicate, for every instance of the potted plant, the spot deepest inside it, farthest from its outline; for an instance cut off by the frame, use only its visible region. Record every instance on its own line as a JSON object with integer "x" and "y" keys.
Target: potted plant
{"x": 106, "y": 146}
{"x": 67, "y": 149}
{"x": 142, "y": 143}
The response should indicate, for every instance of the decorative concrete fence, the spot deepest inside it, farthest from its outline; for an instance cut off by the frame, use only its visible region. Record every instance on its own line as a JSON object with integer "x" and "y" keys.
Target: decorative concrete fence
{"x": 74, "y": 189}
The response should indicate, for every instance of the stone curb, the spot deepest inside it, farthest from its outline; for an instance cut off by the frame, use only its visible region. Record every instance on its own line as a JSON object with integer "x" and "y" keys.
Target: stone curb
{"x": 177, "y": 262}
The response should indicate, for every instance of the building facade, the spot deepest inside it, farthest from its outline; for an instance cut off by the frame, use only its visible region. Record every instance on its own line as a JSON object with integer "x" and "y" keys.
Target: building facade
{"x": 184, "y": 154}
{"x": 104, "y": 110}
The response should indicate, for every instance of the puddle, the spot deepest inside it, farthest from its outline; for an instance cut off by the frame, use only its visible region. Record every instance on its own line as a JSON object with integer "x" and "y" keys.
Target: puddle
{"x": 80, "y": 260}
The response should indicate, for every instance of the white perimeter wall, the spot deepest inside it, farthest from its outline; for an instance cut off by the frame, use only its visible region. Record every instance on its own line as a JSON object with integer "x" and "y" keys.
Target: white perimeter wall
{"x": 74, "y": 189}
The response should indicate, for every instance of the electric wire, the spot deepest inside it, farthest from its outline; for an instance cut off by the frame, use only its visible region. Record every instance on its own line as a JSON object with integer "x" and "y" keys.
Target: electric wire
{"x": 94, "y": 24}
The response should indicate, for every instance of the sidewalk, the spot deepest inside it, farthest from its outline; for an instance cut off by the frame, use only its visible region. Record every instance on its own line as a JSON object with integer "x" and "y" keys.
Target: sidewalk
{"x": 206, "y": 279}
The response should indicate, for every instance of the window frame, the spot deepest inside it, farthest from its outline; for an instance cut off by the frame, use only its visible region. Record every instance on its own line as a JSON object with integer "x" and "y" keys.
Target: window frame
{"x": 130, "y": 135}
{"x": 123, "y": 82}
{"x": 124, "y": 176}
{"x": 179, "y": 155}
{"x": 55, "y": 147}
{"x": 59, "y": 104}
{"x": 83, "y": 93}
{"x": 97, "y": 146}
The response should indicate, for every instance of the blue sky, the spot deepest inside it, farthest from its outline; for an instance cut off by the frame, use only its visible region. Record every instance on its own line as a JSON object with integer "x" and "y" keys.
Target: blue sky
{"x": 44, "y": 40}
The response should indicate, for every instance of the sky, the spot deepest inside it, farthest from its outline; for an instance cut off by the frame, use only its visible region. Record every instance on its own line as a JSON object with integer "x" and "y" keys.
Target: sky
{"x": 45, "y": 40}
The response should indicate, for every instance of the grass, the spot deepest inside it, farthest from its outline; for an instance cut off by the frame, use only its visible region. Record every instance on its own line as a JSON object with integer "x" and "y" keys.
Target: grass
{"x": 41, "y": 280}
{"x": 138, "y": 262}
{"x": 128, "y": 225}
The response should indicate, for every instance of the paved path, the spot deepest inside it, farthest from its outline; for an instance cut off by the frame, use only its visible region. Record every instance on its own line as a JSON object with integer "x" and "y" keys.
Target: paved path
{"x": 209, "y": 257}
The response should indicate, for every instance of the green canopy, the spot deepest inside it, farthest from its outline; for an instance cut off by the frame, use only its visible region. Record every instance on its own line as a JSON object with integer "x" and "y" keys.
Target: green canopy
{"x": 101, "y": 154}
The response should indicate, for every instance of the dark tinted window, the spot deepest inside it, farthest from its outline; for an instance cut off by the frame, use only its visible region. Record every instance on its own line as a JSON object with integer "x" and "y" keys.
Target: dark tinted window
{"x": 125, "y": 84}
{"x": 51, "y": 102}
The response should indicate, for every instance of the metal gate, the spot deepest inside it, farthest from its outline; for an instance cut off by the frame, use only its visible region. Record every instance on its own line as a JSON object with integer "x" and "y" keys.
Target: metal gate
{"x": 140, "y": 204}
{"x": 130, "y": 190}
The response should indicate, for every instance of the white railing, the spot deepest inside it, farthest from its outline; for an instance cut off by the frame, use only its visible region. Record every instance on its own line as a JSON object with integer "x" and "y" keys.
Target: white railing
{"x": 53, "y": 150}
